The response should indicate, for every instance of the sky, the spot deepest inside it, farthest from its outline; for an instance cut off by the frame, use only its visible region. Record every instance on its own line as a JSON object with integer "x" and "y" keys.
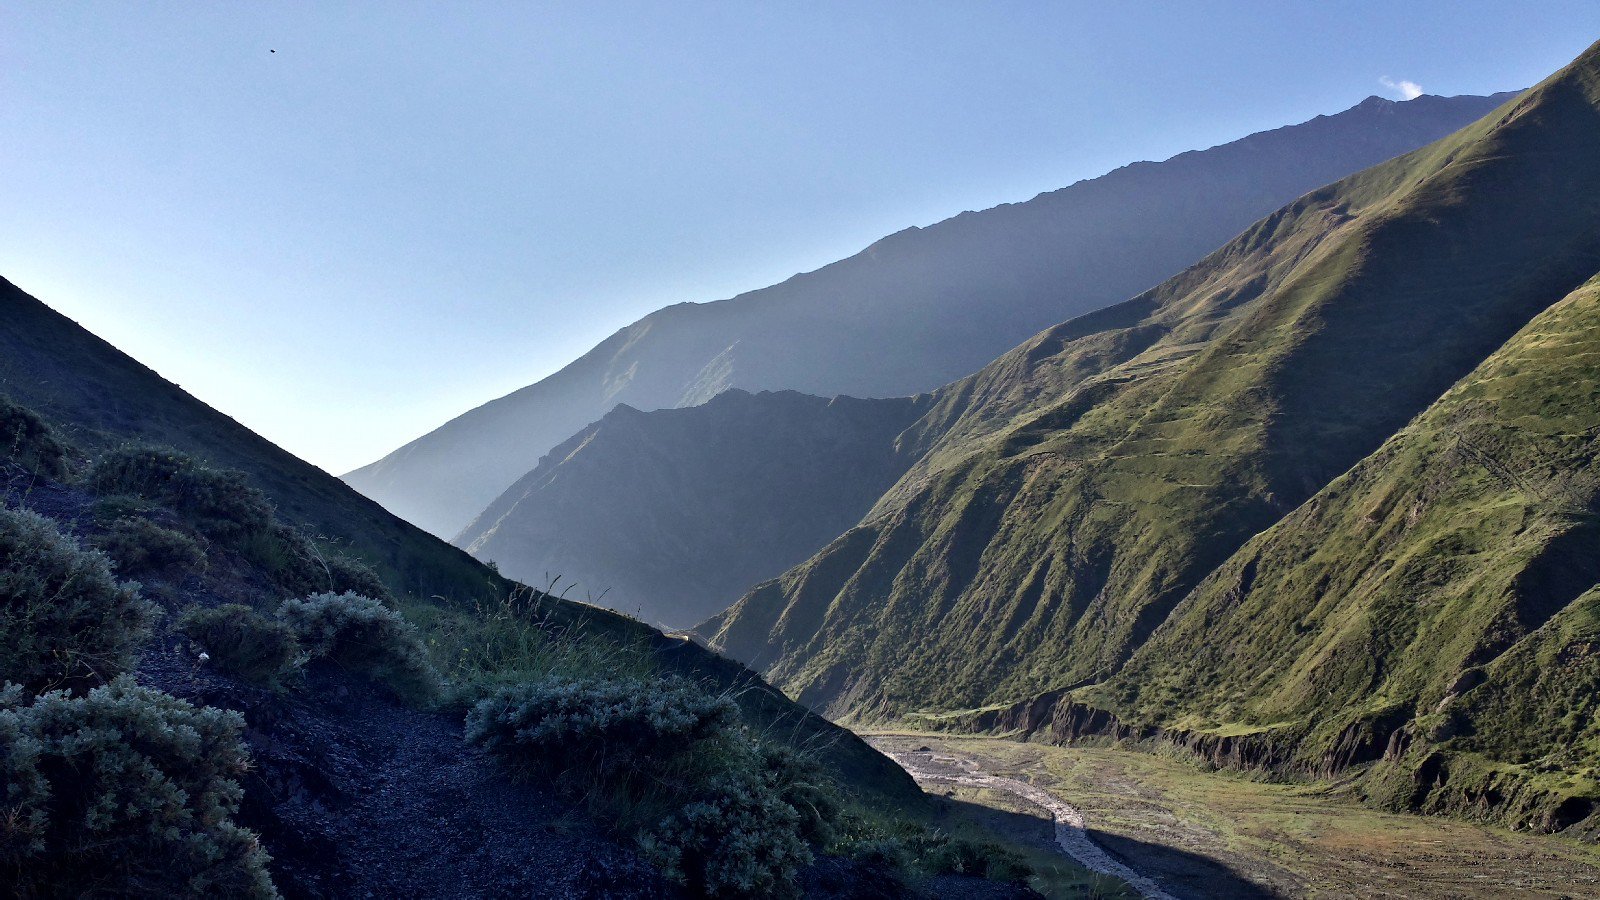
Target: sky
{"x": 343, "y": 224}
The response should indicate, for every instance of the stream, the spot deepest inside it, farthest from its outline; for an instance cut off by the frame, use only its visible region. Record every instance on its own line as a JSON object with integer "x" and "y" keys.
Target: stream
{"x": 939, "y": 768}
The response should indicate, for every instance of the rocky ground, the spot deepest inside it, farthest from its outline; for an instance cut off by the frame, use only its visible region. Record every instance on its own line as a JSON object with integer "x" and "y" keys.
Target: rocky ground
{"x": 1218, "y": 835}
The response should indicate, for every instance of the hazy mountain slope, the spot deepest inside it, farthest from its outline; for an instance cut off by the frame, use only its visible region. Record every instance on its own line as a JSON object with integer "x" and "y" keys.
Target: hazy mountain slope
{"x": 1443, "y": 594}
{"x": 915, "y": 310}
{"x": 101, "y": 397}
{"x": 675, "y": 513}
{"x": 1087, "y": 481}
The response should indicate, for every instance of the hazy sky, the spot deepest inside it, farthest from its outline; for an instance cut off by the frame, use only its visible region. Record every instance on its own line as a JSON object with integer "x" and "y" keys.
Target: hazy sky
{"x": 409, "y": 209}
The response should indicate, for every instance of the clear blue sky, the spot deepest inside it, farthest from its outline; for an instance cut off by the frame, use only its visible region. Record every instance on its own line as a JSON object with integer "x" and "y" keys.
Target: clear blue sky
{"x": 409, "y": 209}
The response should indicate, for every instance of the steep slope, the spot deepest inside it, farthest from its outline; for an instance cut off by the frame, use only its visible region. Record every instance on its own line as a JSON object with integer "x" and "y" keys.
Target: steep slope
{"x": 673, "y": 514}
{"x": 1442, "y": 595}
{"x": 100, "y": 398}
{"x": 1080, "y": 486}
{"x": 915, "y": 310}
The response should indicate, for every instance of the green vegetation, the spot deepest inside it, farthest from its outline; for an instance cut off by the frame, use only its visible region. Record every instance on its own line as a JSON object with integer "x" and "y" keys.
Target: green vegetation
{"x": 242, "y": 642}
{"x": 219, "y": 503}
{"x": 30, "y": 442}
{"x": 65, "y": 622}
{"x": 670, "y": 766}
{"x": 123, "y": 791}
{"x": 142, "y": 549}
{"x": 1223, "y": 834}
{"x": 912, "y": 847}
{"x": 1147, "y": 508}
{"x": 518, "y": 639}
{"x": 361, "y": 634}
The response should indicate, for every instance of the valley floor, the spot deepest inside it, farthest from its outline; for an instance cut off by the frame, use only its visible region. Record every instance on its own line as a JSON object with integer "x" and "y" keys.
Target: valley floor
{"x": 1219, "y": 835}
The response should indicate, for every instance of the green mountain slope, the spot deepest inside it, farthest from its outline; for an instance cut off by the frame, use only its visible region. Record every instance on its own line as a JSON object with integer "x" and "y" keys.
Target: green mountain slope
{"x": 673, "y": 514}
{"x": 1076, "y": 490}
{"x": 1444, "y": 594}
{"x": 913, "y": 311}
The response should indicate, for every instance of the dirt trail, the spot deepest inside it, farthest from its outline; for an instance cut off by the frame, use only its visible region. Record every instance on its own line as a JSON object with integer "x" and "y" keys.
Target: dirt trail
{"x": 928, "y": 767}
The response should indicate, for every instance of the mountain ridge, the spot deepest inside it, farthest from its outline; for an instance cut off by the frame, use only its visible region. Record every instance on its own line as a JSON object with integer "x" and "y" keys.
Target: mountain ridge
{"x": 1042, "y": 549}
{"x": 912, "y": 311}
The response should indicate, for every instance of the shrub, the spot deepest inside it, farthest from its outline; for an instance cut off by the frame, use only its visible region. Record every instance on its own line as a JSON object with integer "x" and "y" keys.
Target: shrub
{"x": 64, "y": 620}
{"x": 124, "y": 792}
{"x": 911, "y": 847}
{"x": 243, "y": 642}
{"x": 599, "y": 730}
{"x": 297, "y": 565}
{"x": 218, "y": 502}
{"x": 738, "y": 840}
{"x": 802, "y": 783}
{"x": 361, "y": 633}
{"x": 511, "y": 640}
{"x": 671, "y": 765}
{"x": 140, "y": 547}
{"x": 30, "y": 442}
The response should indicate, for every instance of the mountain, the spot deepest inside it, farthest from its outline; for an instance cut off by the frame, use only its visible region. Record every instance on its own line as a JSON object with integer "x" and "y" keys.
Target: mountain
{"x": 1439, "y": 601}
{"x": 915, "y": 310}
{"x": 1091, "y": 497}
{"x": 673, "y": 514}
{"x": 100, "y": 398}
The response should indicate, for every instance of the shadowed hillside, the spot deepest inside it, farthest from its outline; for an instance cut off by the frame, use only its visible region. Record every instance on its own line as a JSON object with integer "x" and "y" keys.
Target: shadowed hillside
{"x": 913, "y": 311}
{"x": 673, "y": 514}
{"x": 100, "y": 398}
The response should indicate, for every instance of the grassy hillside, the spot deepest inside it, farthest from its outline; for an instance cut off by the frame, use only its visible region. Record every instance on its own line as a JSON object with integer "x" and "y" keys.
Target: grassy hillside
{"x": 1076, "y": 490}
{"x": 1444, "y": 594}
{"x": 672, "y": 514}
{"x": 916, "y": 309}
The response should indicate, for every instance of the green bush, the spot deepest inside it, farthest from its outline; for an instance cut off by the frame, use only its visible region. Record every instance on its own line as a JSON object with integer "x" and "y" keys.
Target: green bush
{"x": 511, "y": 640}
{"x": 124, "y": 792}
{"x": 30, "y": 442}
{"x": 737, "y": 839}
{"x": 915, "y": 849}
{"x": 671, "y": 766}
{"x": 599, "y": 730}
{"x": 362, "y": 634}
{"x": 64, "y": 620}
{"x": 243, "y": 642}
{"x": 218, "y": 502}
{"x": 141, "y": 548}
{"x": 299, "y": 567}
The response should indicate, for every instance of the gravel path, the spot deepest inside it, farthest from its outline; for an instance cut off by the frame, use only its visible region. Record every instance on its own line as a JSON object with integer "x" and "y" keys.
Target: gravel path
{"x": 939, "y": 768}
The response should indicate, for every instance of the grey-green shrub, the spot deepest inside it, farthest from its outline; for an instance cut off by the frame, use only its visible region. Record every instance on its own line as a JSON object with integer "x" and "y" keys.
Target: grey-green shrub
{"x": 30, "y": 442}
{"x": 299, "y": 567}
{"x": 736, "y": 839}
{"x": 242, "y": 642}
{"x": 218, "y": 502}
{"x": 65, "y": 622}
{"x": 124, "y": 792}
{"x": 362, "y": 634}
{"x": 141, "y": 548}
{"x": 671, "y": 766}
{"x": 599, "y": 729}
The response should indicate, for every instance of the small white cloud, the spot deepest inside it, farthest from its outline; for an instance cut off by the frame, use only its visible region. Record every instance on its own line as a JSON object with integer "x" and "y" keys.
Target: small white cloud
{"x": 1409, "y": 90}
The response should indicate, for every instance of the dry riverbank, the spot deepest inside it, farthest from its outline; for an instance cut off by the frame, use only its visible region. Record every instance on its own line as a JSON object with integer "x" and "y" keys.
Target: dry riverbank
{"x": 1219, "y": 835}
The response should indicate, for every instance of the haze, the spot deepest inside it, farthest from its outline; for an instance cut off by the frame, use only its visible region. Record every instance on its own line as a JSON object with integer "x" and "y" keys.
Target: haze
{"x": 342, "y": 228}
